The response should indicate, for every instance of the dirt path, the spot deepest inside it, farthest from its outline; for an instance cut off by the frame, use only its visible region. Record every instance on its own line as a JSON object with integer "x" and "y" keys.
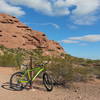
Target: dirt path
{"x": 81, "y": 91}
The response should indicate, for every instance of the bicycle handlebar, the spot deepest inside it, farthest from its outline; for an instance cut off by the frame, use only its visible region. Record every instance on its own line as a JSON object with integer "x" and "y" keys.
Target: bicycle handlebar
{"x": 42, "y": 64}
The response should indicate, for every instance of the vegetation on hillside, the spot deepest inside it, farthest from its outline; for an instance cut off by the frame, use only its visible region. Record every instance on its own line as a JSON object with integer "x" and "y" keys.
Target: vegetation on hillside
{"x": 64, "y": 68}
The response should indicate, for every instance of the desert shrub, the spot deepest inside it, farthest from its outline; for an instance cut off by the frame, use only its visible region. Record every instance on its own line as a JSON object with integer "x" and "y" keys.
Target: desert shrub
{"x": 37, "y": 56}
{"x": 2, "y": 47}
{"x": 82, "y": 73}
{"x": 64, "y": 71}
{"x": 9, "y": 59}
{"x": 96, "y": 71}
{"x": 61, "y": 70}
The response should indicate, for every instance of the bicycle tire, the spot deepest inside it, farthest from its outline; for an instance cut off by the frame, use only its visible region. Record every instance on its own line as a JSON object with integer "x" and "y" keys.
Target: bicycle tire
{"x": 47, "y": 81}
{"x": 18, "y": 86}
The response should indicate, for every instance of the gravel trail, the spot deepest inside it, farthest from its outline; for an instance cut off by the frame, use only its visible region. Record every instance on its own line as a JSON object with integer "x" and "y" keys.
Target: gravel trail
{"x": 80, "y": 91}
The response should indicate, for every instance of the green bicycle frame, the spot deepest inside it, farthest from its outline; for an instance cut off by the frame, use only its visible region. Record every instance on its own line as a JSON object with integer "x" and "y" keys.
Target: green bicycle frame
{"x": 27, "y": 72}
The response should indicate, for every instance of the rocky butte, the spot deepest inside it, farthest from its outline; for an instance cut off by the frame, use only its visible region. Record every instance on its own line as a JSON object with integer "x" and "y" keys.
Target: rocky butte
{"x": 14, "y": 34}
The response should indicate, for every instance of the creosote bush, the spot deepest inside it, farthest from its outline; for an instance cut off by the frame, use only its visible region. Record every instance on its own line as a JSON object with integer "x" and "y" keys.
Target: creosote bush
{"x": 64, "y": 71}
{"x": 82, "y": 73}
{"x": 96, "y": 71}
{"x": 61, "y": 70}
{"x": 9, "y": 59}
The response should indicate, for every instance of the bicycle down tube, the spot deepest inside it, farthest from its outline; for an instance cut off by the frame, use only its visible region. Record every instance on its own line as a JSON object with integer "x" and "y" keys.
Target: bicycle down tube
{"x": 39, "y": 70}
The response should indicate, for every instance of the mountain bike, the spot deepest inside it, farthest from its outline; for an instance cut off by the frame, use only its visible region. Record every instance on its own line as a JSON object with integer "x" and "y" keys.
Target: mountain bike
{"x": 21, "y": 80}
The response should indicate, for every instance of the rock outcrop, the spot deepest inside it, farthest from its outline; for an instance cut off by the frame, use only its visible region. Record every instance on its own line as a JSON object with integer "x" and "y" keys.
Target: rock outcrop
{"x": 14, "y": 34}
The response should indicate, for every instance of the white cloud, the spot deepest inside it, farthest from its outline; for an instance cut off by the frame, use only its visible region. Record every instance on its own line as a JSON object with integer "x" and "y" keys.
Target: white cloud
{"x": 64, "y": 3}
{"x": 86, "y": 6}
{"x": 60, "y": 3}
{"x": 84, "y": 20}
{"x": 55, "y": 25}
{"x": 44, "y": 6}
{"x": 60, "y": 12}
{"x": 83, "y": 7}
{"x": 82, "y": 39}
{"x": 9, "y": 9}
{"x": 39, "y": 5}
{"x": 69, "y": 41}
{"x": 88, "y": 38}
{"x": 85, "y": 12}
{"x": 46, "y": 24}
{"x": 52, "y": 24}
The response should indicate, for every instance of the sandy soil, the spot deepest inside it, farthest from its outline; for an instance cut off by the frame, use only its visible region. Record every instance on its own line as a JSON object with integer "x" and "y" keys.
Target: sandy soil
{"x": 79, "y": 91}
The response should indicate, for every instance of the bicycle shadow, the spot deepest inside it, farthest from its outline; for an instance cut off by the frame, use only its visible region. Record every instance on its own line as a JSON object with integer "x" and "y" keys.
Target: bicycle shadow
{"x": 37, "y": 86}
{"x": 6, "y": 86}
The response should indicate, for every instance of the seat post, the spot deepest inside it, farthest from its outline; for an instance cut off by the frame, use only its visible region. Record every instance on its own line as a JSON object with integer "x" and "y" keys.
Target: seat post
{"x": 30, "y": 67}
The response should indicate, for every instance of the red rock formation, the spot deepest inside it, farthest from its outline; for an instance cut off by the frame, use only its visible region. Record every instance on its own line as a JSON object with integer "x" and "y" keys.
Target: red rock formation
{"x": 14, "y": 34}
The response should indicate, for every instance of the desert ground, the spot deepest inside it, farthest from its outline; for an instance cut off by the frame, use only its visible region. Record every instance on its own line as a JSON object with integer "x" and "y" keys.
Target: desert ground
{"x": 78, "y": 91}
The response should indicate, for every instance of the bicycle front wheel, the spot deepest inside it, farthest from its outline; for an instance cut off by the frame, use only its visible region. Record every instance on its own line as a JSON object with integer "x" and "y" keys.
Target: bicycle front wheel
{"x": 15, "y": 81}
{"x": 47, "y": 81}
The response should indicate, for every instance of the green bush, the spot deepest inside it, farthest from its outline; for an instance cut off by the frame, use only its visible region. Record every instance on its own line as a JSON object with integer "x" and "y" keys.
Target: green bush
{"x": 9, "y": 59}
{"x": 82, "y": 73}
{"x": 61, "y": 70}
{"x": 2, "y": 47}
{"x": 96, "y": 71}
{"x": 64, "y": 71}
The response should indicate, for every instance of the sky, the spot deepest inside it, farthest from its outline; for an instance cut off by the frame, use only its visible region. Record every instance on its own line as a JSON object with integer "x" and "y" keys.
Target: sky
{"x": 75, "y": 24}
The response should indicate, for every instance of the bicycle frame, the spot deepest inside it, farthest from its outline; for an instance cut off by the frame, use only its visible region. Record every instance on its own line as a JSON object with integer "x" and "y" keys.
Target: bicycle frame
{"x": 27, "y": 72}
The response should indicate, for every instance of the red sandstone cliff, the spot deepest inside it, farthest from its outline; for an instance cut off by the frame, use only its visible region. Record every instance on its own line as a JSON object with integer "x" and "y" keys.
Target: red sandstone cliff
{"x": 14, "y": 34}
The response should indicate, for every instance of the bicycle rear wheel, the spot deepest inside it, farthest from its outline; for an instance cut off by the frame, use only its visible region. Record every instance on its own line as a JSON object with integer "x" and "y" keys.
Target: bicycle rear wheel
{"x": 47, "y": 81}
{"x": 15, "y": 81}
